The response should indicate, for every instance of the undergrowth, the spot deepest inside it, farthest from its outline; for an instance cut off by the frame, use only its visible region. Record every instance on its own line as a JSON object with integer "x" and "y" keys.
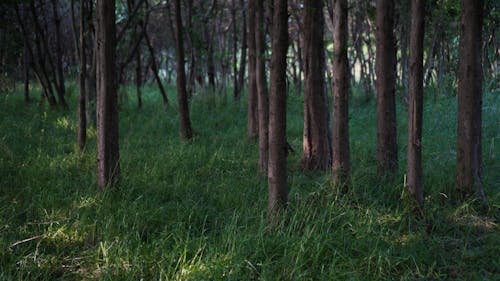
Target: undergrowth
{"x": 196, "y": 211}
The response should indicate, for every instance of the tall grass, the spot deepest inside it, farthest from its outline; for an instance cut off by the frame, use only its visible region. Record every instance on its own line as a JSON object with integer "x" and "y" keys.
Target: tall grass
{"x": 196, "y": 211}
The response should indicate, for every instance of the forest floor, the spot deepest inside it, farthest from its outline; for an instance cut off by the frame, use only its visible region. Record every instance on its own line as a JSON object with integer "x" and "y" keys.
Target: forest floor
{"x": 197, "y": 211}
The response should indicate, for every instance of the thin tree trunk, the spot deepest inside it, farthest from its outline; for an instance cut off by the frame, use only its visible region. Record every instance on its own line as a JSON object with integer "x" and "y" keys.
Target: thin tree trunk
{"x": 182, "y": 95}
{"x": 26, "y": 72}
{"x": 252, "y": 107}
{"x": 82, "y": 118}
{"x": 316, "y": 144}
{"x": 154, "y": 68}
{"x": 341, "y": 161}
{"x": 277, "y": 174}
{"x": 468, "y": 173}
{"x": 236, "y": 91}
{"x": 59, "y": 57}
{"x": 387, "y": 149}
{"x": 108, "y": 168}
{"x": 138, "y": 77}
{"x": 243, "y": 55}
{"x": 263, "y": 95}
{"x": 416, "y": 93}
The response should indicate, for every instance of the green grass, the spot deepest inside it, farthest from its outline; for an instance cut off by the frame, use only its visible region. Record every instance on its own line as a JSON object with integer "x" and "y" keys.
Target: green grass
{"x": 196, "y": 211}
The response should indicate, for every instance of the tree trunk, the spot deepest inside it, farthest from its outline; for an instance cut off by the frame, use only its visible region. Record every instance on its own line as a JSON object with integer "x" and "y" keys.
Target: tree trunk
{"x": 469, "y": 160}
{"x": 82, "y": 118}
{"x": 108, "y": 167}
{"x": 154, "y": 68}
{"x": 263, "y": 95}
{"x": 316, "y": 146}
{"x": 243, "y": 55}
{"x": 138, "y": 77}
{"x": 387, "y": 149}
{"x": 277, "y": 181}
{"x": 341, "y": 162}
{"x": 26, "y": 71}
{"x": 416, "y": 93}
{"x": 59, "y": 56}
{"x": 252, "y": 120}
{"x": 182, "y": 95}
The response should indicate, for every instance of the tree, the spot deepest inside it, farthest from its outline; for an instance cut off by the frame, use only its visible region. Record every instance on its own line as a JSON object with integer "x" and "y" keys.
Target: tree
{"x": 108, "y": 167}
{"x": 416, "y": 93}
{"x": 252, "y": 119}
{"x": 182, "y": 95}
{"x": 468, "y": 171}
{"x": 59, "y": 55}
{"x": 82, "y": 117}
{"x": 387, "y": 149}
{"x": 263, "y": 95}
{"x": 340, "y": 140}
{"x": 316, "y": 143}
{"x": 277, "y": 182}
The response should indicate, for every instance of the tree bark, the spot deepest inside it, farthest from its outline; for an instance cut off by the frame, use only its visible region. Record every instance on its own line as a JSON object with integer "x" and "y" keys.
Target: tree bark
{"x": 108, "y": 168}
{"x": 277, "y": 174}
{"x": 469, "y": 160}
{"x": 252, "y": 107}
{"x": 341, "y": 149}
{"x": 263, "y": 94}
{"x": 416, "y": 93}
{"x": 82, "y": 117}
{"x": 316, "y": 144}
{"x": 182, "y": 95}
{"x": 387, "y": 149}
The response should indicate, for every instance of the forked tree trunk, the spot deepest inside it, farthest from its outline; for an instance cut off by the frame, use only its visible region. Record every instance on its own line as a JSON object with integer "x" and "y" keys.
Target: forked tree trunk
{"x": 182, "y": 95}
{"x": 277, "y": 182}
{"x": 387, "y": 149}
{"x": 82, "y": 117}
{"x": 108, "y": 156}
{"x": 341, "y": 149}
{"x": 252, "y": 107}
{"x": 263, "y": 94}
{"x": 469, "y": 160}
{"x": 316, "y": 144}
{"x": 416, "y": 93}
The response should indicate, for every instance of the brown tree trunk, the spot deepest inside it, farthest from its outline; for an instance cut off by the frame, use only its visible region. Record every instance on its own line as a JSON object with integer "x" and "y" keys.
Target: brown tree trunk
{"x": 182, "y": 95}
{"x": 316, "y": 146}
{"x": 252, "y": 107}
{"x": 263, "y": 95}
{"x": 59, "y": 56}
{"x": 416, "y": 93}
{"x": 387, "y": 149}
{"x": 108, "y": 168}
{"x": 82, "y": 118}
{"x": 236, "y": 90}
{"x": 277, "y": 182}
{"x": 341, "y": 149}
{"x": 469, "y": 160}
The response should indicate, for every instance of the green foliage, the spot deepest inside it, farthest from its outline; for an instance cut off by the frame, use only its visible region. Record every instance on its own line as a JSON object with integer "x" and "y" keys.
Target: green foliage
{"x": 197, "y": 211}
